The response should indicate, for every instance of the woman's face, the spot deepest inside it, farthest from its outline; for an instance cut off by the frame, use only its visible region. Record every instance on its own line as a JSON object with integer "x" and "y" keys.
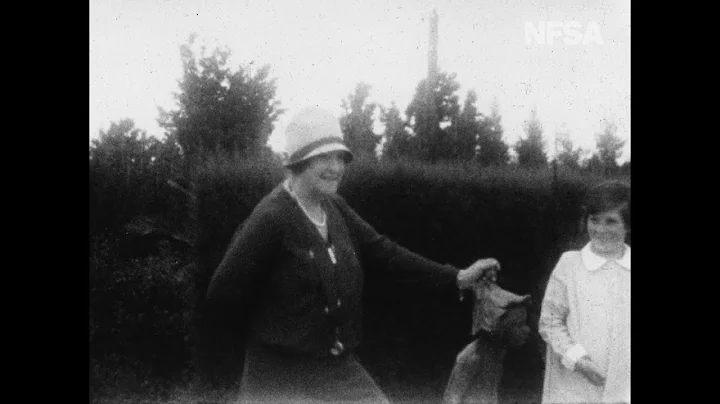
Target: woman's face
{"x": 607, "y": 231}
{"x": 324, "y": 173}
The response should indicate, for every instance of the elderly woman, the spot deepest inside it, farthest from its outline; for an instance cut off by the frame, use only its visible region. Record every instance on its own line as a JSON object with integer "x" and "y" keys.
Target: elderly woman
{"x": 585, "y": 316}
{"x": 298, "y": 261}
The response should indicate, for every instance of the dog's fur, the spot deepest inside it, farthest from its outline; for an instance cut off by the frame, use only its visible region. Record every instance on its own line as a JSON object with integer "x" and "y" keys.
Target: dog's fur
{"x": 499, "y": 323}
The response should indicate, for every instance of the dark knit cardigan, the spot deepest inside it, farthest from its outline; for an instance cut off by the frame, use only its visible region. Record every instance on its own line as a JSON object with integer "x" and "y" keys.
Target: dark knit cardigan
{"x": 278, "y": 270}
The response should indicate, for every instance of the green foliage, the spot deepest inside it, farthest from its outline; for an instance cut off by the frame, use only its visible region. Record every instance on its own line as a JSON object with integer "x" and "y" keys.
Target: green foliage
{"x": 493, "y": 151}
{"x": 531, "y": 149}
{"x": 128, "y": 174}
{"x": 139, "y": 319}
{"x": 146, "y": 323}
{"x": 466, "y": 129}
{"x": 124, "y": 148}
{"x": 594, "y": 165}
{"x": 138, "y": 308}
{"x": 568, "y": 156}
{"x": 609, "y": 147}
{"x": 625, "y": 169}
{"x": 357, "y": 123}
{"x": 453, "y": 212}
{"x": 467, "y": 134}
{"x": 433, "y": 106}
{"x": 218, "y": 110}
{"x": 398, "y": 142}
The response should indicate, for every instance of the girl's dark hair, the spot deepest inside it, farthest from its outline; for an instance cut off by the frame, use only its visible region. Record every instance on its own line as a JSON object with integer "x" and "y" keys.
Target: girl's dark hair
{"x": 608, "y": 195}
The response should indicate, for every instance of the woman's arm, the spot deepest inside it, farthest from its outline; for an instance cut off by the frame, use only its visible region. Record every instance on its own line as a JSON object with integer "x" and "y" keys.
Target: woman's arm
{"x": 409, "y": 267}
{"x": 245, "y": 261}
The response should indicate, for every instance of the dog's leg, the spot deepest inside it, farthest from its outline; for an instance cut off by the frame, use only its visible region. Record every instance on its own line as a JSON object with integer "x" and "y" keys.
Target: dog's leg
{"x": 486, "y": 382}
{"x": 463, "y": 373}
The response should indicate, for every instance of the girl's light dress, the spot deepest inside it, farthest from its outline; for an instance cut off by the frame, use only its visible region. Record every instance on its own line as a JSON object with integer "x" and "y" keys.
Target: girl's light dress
{"x": 586, "y": 309}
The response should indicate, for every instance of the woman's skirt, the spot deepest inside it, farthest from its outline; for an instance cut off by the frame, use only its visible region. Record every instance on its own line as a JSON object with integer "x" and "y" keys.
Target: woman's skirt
{"x": 270, "y": 376}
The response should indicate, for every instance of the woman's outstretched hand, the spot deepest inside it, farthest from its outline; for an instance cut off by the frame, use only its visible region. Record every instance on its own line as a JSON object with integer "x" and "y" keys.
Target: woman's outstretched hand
{"x": 482, "y": 270}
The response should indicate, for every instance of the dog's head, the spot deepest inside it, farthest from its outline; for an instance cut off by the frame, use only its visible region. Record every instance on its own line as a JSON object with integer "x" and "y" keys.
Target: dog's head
{"x": 501, "y": 313}
{"x": 513, "y": 329}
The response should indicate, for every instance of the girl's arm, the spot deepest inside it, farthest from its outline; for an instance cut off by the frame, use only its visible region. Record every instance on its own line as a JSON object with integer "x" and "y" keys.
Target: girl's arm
{"x": 553, "y": 319}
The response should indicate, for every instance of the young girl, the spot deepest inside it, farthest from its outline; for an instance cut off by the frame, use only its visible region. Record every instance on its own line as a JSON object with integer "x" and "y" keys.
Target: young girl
{"x": 585, "y": 318}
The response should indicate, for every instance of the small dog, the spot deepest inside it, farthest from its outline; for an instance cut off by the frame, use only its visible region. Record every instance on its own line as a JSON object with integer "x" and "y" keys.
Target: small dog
{"x": 499, "y": 323}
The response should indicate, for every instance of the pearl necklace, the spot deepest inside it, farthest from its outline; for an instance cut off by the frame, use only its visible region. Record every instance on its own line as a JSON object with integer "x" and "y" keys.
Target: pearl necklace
{"x": 323, "y": 220}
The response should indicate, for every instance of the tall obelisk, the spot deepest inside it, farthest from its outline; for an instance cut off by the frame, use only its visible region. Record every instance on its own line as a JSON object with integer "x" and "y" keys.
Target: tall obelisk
{"x": 433, "y": 48}
{"x": 431, "y": 124}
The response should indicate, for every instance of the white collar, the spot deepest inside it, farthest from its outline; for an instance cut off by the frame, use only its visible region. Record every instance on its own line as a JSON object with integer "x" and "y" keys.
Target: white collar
{"x": 593, "y": 261}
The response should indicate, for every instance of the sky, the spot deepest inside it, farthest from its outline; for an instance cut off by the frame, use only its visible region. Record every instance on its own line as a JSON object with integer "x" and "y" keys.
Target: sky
{"x": 319, "y": 50}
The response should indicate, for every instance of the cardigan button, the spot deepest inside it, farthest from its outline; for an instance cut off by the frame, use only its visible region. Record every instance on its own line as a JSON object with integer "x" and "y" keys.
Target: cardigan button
{"x": 337, "y": 305}
{"x": 337, "y": 349}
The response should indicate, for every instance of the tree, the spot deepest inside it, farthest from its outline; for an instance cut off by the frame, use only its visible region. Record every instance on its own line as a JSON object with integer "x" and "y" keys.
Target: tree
{"x": 357, "y": 123}
{"x": 398, "y": 142}
{"x": 466, "y": 129}
{"x": 625, "y": 168}
{"x": 218, "y": 110}
{"x": 128, "y": 171}
{"x": 434, "y": 105}
{"x": 168, "y": 155}
{"x": 123, "y": 149}
{"x": 609, "y": 147}
{"x": 125, "y": 152}
{"x": 593, "y": 165}
{"x": 568, "y": 156}
{"x": 492, "y": 149}
{"x": 531, "y": 150}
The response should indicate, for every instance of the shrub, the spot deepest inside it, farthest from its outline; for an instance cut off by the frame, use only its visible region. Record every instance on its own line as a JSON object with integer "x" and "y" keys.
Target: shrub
{"x": 139, "y": 319}
{"x": 146, "y": 316}
{"x": 452, "y": 213}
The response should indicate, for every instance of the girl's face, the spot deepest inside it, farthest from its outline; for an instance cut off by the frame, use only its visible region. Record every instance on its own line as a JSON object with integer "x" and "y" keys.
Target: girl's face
{"x": 607, "y": 231}
{"x": 323, "y": 175}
